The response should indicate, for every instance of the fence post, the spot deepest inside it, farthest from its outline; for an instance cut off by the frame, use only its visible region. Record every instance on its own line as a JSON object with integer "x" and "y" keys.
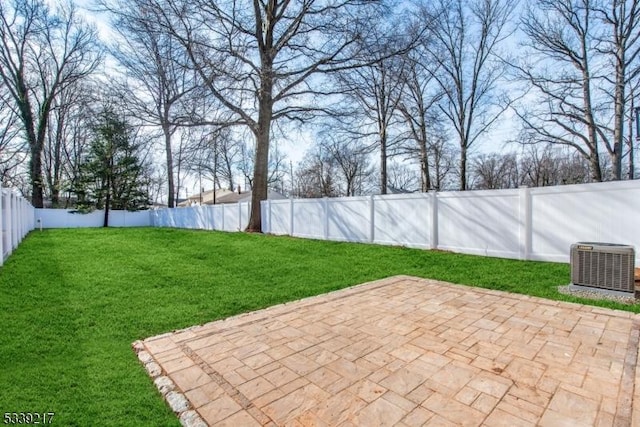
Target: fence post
{"x": 18, "y": 223}
{"x": 291, "y": 220}
{"x": 434, "y": 220}
{"x": 525, "y": 232}
{"x": 20, "y": 219}
{"x": 9, "y": 223}
{"x": 23, "y": 219}
{"x": 325, "y": 208}
{"x": 372, "y": 219}
{"x": 239, "y": 216}
{"x": 223, "y": 205}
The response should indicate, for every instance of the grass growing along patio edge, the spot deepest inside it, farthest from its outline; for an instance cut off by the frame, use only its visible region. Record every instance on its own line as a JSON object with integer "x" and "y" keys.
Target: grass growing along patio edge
{"x": 74, "y": 300}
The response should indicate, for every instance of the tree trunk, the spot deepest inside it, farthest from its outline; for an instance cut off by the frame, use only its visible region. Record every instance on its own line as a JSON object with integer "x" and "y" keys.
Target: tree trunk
{"x": 171, "y": 202}
{"x": 596, "y": 171}
{"x": 260, "y": 177}
{"x": 35, "y": 148}
{"x": 57, "y": 159}
{"x": 632, "y": 110}
{"x": 383, "y": 161}
{"x": 616, "y": 156}
{"x": 36, "y": 145}
{"x": 261, "y": 163}
{"x": 107, "y": 204}
{"x": 463, "y": 167}
{"x": 594, "y": 158}
{"x": 35, "y": 170}
{"x": 424, "y": 159}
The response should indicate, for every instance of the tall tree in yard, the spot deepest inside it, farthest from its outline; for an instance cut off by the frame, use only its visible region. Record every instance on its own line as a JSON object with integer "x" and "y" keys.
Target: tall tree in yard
{"x": 113, "y": 175}
{"x": 157, "y": 82}
{"x": 620, "y": 43}
{"x": 465, "y": 39}
{"x": 11, "y": 148}
{"x": 264, "y": 61}
{"x": 583, "y": 58}
{"x": 375, "y": 90}
{"x": 42, "y": 52}
{"x": 418, "y": 104}
{"x": 69, "y": 122}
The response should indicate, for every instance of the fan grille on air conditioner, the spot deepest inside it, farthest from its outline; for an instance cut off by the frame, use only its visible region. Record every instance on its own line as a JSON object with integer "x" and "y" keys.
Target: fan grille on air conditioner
{"x": 603, "y": 265}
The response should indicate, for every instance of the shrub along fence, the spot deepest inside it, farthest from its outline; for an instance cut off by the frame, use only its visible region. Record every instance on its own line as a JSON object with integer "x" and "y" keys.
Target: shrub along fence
{"x": 17, "y": 219}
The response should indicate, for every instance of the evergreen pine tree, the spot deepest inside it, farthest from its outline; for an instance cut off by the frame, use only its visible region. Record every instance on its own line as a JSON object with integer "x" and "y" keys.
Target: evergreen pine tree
{"x": 111, "y": 177}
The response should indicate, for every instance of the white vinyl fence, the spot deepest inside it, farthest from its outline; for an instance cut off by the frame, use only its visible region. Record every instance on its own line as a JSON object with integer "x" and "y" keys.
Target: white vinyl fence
{"x": 227, "y": 217}
{"x": 527, "y": 223}
{"x": 16, "y": 218}
{"x": 66, "y": 218}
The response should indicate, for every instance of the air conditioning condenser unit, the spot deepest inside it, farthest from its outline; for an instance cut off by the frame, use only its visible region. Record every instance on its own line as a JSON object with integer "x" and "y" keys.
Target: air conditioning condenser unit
{"x": 603, "y": 265}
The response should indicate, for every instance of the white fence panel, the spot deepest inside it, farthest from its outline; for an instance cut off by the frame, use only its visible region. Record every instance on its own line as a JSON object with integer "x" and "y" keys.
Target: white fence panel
{"x": 16, "y": 221}
{"x": 536, "y": 223}
{"x": 309, "y": 218}
{"x": 217, "y": 215}
{"x": 279, "y": 216}
{"x": 184, "y": 218}
{"x": 208, "y": 217}
{"x": 403, "y": 219}
{"x": 245, "y": 214}
{"x": 7, "y": 234}
{"x": 349, "y": 219}
{"x": 232, "y": 217}
{"x": 119, "y": 218}
{"x": 603, "y": 212}
{"x": 480, "y": 222}
{"x": 231, "y": 214}
{"x": 64, "y": 218}
{"x": 200, "y": 217}
{"x": 161, "y": 218}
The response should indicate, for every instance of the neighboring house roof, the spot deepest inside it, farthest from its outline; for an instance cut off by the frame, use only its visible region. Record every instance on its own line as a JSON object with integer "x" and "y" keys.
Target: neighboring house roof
{"x": 207, "y": 197}
{"x": 246, "y": 196}
{"x": 225, "y": 197}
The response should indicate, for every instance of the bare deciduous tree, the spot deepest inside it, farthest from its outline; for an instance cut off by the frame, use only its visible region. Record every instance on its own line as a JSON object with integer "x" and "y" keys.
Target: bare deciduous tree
{"x": 417, "y": 108}
{"x": 12, "y": 147}
{"x": 541, "y": 167}
{"x": 620, "y": 44}
{"x": 403, "y": 178}
{"x": 466, "y": 36}
{"x": 375, "y": 90}
{"x": 582, "y": 61}
{"x": 352, "y": 162}
{"x": 216, "y": 154}
{"x": 316, "y": 174}
{"x": 157, "y": 80}
{"x": 265, "y": 61}
{"x": 70, "y": 118}
{"x": 41, "y": 53}
{"x": 495, "y": 171}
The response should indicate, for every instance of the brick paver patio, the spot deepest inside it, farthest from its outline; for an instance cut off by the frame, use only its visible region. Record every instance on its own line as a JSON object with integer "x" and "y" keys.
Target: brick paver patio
{"x": 404, "y": 351}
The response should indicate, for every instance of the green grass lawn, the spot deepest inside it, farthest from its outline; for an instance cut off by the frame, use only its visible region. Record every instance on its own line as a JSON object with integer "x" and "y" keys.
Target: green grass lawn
{"x": 73, "y": 301}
